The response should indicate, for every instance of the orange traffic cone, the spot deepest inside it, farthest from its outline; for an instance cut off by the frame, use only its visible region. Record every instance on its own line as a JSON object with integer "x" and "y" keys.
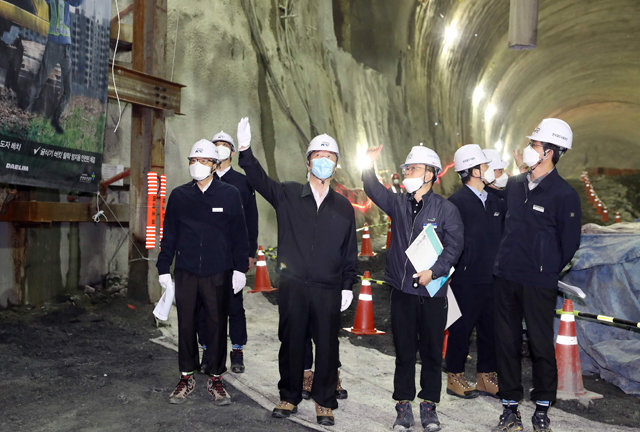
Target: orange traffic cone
{"x": 444, "y": 343}
{"x": 605, "y": 215}
{"x": 363, "y": 323}
{"x": 568, "y": 360}
{"x": 618, "y": 217}
{"x": 388, "y": 234}
{"x": 262, "y": 283}
{"x": 599, "y": 208}
{"x": 365, "y": 248}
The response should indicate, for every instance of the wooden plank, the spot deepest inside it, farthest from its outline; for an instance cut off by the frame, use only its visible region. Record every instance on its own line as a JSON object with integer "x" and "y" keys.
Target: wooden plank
{"x": 47, "y": 212}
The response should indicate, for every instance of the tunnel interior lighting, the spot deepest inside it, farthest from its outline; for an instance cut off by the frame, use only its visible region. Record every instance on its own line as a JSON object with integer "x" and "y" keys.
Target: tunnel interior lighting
{"x": 498, "y": 145}
{"x": 450, "y": 34}
{"x": 489, "y": 112}
{"x": 362, "y": 160}
{"x": 478, "y": 95}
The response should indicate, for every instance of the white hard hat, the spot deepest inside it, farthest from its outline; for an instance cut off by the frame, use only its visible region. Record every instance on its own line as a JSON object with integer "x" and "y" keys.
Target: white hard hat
{"x": 423, "y": 155}
{"x": 496, "y": 161}
{"x": 469, "y": 156}
{"x": 323, "y": 142}
{"x": 553, "y": 131}
{"x": 223, "y": 136}
{"x": 204, "y": 149}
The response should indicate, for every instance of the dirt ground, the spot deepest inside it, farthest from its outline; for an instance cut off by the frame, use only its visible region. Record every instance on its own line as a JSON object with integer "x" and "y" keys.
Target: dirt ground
{"x": 69, "y": 367}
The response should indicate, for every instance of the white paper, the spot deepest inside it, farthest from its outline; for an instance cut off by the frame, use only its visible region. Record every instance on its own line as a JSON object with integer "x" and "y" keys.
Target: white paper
{"x": 453, "y": 310}
{"x": 571, "y": 289}
{"x": 425, "y": 249}
{"x": 161, "y": 311}
{"x": 110, "y": 171}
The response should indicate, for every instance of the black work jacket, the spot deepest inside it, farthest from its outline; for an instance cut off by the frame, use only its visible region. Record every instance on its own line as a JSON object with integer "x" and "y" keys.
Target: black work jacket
{"x": 239, "y": 180}
{"x": 541, "y": 232}
{"x": 316, "y": 246}
{"x": 435, "y": 210}
{"x": 206, "y": 232}
{"x": 482, "y": 233}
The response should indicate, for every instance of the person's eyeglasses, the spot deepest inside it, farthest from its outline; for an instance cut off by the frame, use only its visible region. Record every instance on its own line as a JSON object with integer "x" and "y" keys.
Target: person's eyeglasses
{"x": 201, "y": 160}
{"x": 411, "y": 169}
{"x": 534, "y": 144}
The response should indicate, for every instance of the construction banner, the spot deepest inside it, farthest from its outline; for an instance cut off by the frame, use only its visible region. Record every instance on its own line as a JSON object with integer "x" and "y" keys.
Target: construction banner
{"x": 54, "y": 57}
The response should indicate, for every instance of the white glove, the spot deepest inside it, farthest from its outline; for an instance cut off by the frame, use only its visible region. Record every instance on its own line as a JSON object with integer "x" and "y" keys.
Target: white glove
{"x": 166, "y": 281}
{"x": 161, "y": 311}
{"x": 238, "y": 281}
{"x": 347, "y": 298}
{"x": 244, "y": 134}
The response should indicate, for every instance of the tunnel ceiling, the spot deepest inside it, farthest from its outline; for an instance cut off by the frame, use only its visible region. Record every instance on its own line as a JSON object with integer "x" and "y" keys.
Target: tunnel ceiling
{"x": 454, "y": 61}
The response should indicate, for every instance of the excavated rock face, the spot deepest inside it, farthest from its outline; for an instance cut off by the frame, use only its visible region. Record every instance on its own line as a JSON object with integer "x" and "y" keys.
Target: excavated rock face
{"x": 403, "y": 72}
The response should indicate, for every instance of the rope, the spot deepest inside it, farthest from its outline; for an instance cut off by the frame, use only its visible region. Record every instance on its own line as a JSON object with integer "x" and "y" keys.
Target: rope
{"x": 602, "y": 319}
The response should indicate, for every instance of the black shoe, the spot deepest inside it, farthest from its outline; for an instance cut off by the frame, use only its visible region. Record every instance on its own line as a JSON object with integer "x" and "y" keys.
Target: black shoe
{"x": 541, "y": 422}
{"x": 284, "y": 409}
{"x": 237, "y": 361}
{"x": 307, "y": 384}
{"x": 510, "y": 421}
{"x": 341, "y": 393}
{"x": 324, "y": 416}
{"x": 429, "y": 417}
{"x": 404, "y": 420}
{"x": 57, "y": 126}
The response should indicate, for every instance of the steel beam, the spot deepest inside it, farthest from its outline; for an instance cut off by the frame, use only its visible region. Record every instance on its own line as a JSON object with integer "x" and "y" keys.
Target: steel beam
{"x": 144, "y": 89}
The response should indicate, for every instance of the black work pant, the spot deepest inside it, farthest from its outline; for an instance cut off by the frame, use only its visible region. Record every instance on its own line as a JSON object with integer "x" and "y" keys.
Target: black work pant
{"x": 476, "y": 304}
{"x": 237, "y": 321}
{"x": 537, "y": 305}
{"x": 302, "y": 308}
{"x": 418, "y": 325}
{"x": 212, "y": 293}
{"x": 308, "y": 353}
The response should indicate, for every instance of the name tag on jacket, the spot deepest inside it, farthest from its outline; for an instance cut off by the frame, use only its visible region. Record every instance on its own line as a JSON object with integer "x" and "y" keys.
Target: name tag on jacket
{"x": 217, "y": 209}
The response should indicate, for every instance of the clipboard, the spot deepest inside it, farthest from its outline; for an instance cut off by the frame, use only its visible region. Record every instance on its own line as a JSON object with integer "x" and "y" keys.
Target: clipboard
{"x": 423, "y": 252}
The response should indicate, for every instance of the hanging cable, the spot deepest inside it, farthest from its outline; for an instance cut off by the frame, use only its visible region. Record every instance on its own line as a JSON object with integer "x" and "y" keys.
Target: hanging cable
{"x": 113, "y": 72}
{"x": 99, "y": 213}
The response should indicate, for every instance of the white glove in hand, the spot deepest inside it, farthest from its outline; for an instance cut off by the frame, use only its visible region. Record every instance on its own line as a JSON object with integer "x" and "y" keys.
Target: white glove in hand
{"x": 238, "y": 280}
{"x": 161, "y": 311}
{"x": 166, "y": 281}
{"x": 347, "y": 298}
{"x": 244, "y": 134}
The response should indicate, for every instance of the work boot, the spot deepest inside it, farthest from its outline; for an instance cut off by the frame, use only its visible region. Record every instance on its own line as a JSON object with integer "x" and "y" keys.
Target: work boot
{"x": 237, "y": 361}
{"x": 324, "y": 416}
{"x": 185, "y": 386}
{"x": 307, "y": 382}
{"x": 457, "y": 385}
{"x": 404, "y": 420}
{"x": 510, "y": 421}
{"x": 341, "y": 393}
{"x": 487, "y": 383}
{"x": 541, "y": 422}
{"x": 55, "y": 122}
{"x": 429, "y": 417}
{"x": 216, "y": 389}
{"x": 284, "y": 409}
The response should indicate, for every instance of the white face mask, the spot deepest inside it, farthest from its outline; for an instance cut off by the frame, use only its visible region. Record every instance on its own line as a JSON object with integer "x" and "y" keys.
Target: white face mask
{"x": 199, "y": 172}
{"x": 223, "y": 152}
{"x": 530, "y": 157}
{"x": 489, "y": 176}
{"x": 501, "y": 181}
{"x": 413, "y": 184}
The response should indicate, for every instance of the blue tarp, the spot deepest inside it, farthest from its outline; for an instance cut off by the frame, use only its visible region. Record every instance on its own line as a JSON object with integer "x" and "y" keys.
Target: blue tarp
{"x": 607, "y": 268}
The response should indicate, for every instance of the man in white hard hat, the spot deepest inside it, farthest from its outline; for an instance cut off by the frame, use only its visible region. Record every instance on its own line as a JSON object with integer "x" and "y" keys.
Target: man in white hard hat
{"x": 498, "y": 166}
{"x": 541, "y": 235}
{"x": 472, "y": 282}
{"x": 417, "y": 318}
{"x": 317, "y": 263}
{"x": 206, "y": 233}
{"x": 237, "y": 320}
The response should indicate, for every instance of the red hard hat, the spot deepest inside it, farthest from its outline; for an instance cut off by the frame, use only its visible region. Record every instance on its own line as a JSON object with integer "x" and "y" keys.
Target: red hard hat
{"x": 395, "y": 176}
